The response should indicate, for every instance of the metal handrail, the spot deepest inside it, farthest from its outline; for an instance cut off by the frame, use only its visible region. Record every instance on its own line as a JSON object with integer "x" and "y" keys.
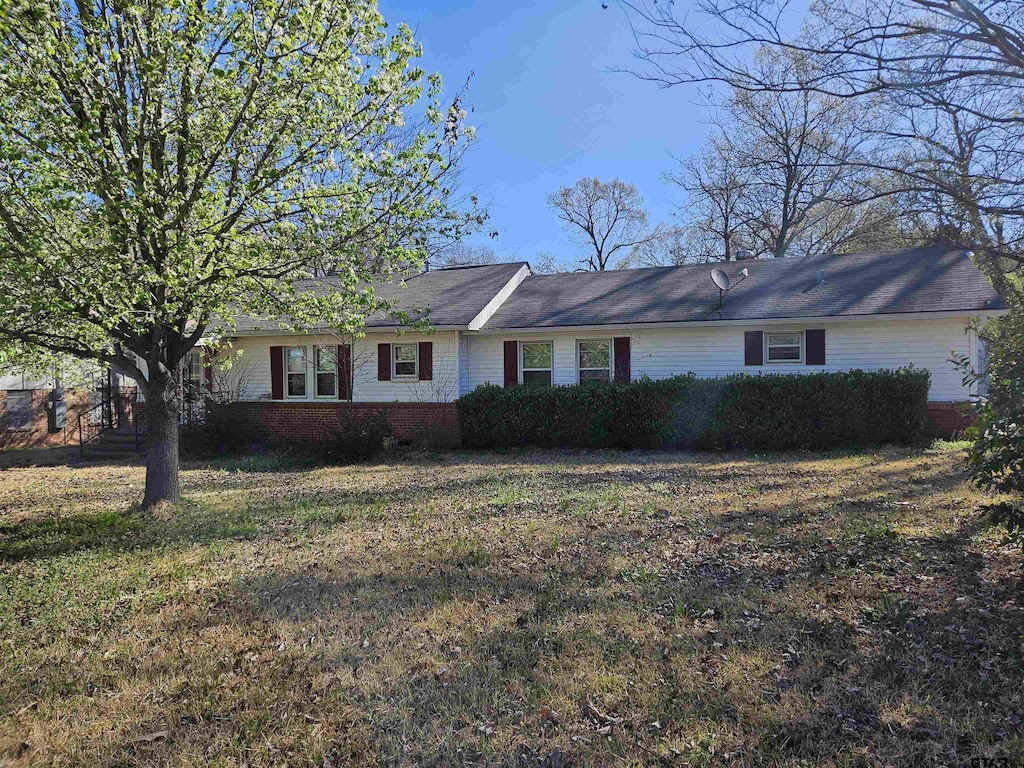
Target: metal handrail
{"x": 112, "y": 410}
{"x": 104, "y": 423}
{"x": 115, "y": 409}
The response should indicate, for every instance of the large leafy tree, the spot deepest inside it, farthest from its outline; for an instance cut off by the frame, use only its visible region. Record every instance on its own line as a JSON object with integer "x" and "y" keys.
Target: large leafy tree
{"x": 165, "y": 163}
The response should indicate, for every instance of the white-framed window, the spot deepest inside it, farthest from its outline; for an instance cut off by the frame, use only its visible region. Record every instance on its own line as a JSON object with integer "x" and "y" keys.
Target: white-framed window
{"x": 19, "y": 409}
{"x": 594, "y": 360}
{"x": 405, "y": 361}
{"x": 295, "y": 371}
{"x": 784, "y": 347}
{"x": 535, "y": 358}
{"x": 327, "y": 371}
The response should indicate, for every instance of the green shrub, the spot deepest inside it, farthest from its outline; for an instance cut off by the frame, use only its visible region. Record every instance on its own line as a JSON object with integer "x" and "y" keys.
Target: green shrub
{"x": 996, "y": 458}
{"x": 358, "y": 439}
{"x": 223, "y": 433}
{"x": 768, "y": 412}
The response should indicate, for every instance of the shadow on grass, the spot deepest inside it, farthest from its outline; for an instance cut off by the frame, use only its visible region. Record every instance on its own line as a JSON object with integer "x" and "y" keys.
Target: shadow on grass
{"x": 754, "y": 670}
{"x": 40, "y": 539}
{"x": 62, "y": 456}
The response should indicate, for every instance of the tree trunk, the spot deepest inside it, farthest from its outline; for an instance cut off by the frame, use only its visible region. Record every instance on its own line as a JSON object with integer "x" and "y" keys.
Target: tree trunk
{"x": 162, "y": 405}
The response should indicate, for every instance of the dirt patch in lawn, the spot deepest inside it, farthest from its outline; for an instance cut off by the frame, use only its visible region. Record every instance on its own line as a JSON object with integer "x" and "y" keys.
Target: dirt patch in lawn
{"x": 536, "y": 609}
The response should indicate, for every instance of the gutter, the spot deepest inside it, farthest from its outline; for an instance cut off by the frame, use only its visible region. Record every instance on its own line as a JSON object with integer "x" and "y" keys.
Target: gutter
{"x": 986, "y": 313}
{"x": 393, "y": 329}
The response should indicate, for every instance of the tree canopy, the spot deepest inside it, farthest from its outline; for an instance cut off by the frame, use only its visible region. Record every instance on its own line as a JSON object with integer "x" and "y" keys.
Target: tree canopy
{"x": 166, "y": 164}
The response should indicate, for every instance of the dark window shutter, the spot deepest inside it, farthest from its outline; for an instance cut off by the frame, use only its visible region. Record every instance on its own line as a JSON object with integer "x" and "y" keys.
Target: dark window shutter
{"x": 277, "y": 373}
{"x": 753, "y": 347}
{"x": 511, "y": 363}
{"x": 622, "y": 369}
{"x": 383, "y": 362}
{"x": 814, "y": 346}
{"x": 344, "y": 372}
{"x": 426, "y": 356}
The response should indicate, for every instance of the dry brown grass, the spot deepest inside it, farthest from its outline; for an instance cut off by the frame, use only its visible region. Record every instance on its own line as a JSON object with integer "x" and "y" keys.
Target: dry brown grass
{"x": 546, "y": 608}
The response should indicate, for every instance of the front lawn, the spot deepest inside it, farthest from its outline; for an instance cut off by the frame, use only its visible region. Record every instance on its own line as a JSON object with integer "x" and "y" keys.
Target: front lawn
{"x": 536, "y": 609}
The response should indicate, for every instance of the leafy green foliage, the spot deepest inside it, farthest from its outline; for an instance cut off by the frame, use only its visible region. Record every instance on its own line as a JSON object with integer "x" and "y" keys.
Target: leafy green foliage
{"x": 996, "y": 459}
{"x": 168, "y": 164}
{"x": 820, "y": 410}
{"x": 771, "y": 412}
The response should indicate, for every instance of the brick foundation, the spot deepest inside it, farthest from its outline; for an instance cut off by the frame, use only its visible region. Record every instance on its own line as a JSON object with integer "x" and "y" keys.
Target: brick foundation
{"x": 949, "y": 419}
{"x": 408, "y": 421}
{"x": 316, "y": 420}
{"x": 39, "y": 435}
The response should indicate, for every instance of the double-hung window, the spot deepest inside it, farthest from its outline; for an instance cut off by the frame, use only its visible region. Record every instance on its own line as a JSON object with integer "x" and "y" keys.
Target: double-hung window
{"x": 535, "y": 362}
{"x": 404, "y": 360}
{"x": 19, "y": 409}
{"x": 326, "y": 371}
{"x": 594, "y": 360}
{"x": 784, "y": 347}
{"x": 295, "y": 371}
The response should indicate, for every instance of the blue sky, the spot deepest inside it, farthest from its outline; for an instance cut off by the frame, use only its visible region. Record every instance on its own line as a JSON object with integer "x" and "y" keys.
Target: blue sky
{"x": 548, "y": 110}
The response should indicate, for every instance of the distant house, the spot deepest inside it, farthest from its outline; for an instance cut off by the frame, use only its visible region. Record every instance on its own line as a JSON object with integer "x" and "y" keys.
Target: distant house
{"x": 41, "y": 411}
{"x": 505, "y": 325}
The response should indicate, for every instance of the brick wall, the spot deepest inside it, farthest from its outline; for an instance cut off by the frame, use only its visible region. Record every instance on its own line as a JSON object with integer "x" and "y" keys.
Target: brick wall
{"x": 949, "y": 419}
{"x": 316, "y": 420}
{"x": 39, "y": 435}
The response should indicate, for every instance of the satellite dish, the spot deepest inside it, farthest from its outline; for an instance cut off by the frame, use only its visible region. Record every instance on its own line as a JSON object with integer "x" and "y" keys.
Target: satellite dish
{"x": 720, "y": 279}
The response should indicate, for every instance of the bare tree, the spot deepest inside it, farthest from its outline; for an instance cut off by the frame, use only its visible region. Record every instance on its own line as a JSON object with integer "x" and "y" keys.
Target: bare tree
{"x": 798, "y": 154}
{"x": 949, "y": 75}
{"x": 673, "y": 247}
{"x": 606, "y": 218}
{"x": 466, "y": 255}
{"x": 547, "y": 263}
{"x": 781, "y": 173}
{"x": 715, "y": 210}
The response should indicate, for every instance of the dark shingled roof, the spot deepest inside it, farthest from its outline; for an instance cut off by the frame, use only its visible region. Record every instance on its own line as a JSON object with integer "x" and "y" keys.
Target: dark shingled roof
{"x": 932, "y": 279}
{"x": 454, "y": 296}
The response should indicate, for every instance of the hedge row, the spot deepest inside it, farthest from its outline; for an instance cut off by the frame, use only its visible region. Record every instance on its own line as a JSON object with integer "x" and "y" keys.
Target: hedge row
{"x": 768, "y": 412}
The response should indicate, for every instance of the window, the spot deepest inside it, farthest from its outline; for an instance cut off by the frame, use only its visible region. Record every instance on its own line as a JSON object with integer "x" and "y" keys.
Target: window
{"x": 326, "y": 372}
{"x": 536, "y": 362}
{"x": 404, "y": 358}
{"x": 594, "y": 359}
{"x": 19, "y": 409}
{"x": 295, "y": 372}
{"x": 784, "y": 347}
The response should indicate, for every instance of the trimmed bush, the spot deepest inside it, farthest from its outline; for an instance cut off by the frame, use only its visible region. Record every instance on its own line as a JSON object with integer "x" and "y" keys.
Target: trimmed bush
{"x": 223, "y": 433}
{"x": 358, "y": 439}
{"x": 767, "y": 412}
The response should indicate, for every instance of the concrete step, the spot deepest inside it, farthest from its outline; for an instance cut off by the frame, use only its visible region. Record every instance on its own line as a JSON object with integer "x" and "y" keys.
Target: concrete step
{"x": 116, "y": 443}
{"x": 119, "y": 455}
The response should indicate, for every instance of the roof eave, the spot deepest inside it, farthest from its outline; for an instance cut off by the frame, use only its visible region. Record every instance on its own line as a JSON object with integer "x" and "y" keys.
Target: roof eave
{"x": 997, "y": 312}
{"x": 326, "y": 330}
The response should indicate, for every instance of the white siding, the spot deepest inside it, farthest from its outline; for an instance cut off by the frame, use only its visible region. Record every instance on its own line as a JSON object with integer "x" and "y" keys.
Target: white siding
{"x": 252, "y": 369}
{"x": 712, "y": 351}
{"x": 23, "y": 381}
{"x": 465, "y": 383}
